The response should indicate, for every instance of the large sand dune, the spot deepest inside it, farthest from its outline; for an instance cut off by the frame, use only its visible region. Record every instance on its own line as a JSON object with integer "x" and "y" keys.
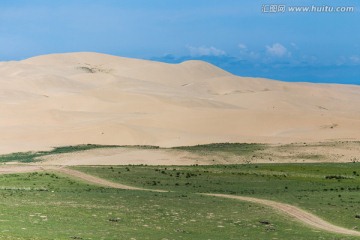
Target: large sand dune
{"x": 76, "y": 98}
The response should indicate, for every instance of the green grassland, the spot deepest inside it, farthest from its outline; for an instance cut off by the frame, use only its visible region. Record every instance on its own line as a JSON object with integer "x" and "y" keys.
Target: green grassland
{"x": 53, "y": 206}
{"x": 331, "y": 191}
{"x": 50, "y": 205}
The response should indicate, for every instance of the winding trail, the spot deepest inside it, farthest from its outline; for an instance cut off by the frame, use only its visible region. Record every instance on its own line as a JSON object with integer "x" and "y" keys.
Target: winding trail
{"x": 96, "y": 180}
{"x": 295, "y": 212}
{"x": 290, "y": 210}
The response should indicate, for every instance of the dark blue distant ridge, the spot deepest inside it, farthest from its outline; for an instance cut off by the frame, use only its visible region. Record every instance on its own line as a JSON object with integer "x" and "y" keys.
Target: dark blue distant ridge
{"x": 338, "y": 74}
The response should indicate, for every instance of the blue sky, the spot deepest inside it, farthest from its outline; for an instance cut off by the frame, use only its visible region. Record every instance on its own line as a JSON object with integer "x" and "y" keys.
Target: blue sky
{"x": 235, "y": 35}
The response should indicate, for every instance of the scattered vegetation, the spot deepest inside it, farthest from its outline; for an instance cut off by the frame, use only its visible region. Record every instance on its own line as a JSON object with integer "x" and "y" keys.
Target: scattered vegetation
{"x": 309, "y": 156}
{"x": 336, "y": 177}
{"x": 26, "y": 157}
{"x": 87, "y": 69}
{"x": 232, "y": 148}
{"x": 142, "y": 146}
{"x": 93, "y": 69}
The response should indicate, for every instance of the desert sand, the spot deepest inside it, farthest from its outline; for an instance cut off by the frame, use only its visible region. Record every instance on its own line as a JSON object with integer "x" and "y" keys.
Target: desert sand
{"x": 80, "y": 98}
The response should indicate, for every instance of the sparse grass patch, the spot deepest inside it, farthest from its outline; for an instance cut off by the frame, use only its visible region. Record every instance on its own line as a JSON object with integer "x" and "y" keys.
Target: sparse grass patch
{"x": 310, "y": 156}
{"x": 27, "y": 157}
{"x": 230, "y": 148}
{"x": 142, "y": 146}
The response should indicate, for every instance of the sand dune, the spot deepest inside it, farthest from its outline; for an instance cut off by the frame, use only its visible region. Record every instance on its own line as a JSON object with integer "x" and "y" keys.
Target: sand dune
{"x": 78, "y": 98}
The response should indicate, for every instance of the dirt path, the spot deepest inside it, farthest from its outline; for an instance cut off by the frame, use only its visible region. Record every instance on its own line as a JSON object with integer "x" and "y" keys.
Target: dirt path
{"x": 12, "y": 169}
{"x": 295, "y": 212}
{"x": 96, "y": 180}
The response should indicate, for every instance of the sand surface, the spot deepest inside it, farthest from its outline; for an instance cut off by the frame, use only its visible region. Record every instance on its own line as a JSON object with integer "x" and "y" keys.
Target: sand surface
{"x": 272, "y": 153}
{"x": 77, "y": 98}
{"x": 123, "y": 156}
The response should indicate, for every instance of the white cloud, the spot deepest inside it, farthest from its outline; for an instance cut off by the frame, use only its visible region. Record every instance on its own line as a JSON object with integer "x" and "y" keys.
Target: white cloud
{"x": 277, "y": 50}
{"x": 242, "y": 46}
{"x": 355, "y": 59}
{"x": 341, "y": 61}
{"x": 205, "y": 51}
{"x": 346, "y": 60}
{"x": 254, "y": 55}
{"x": 294, "y": 45}
{"x": 247, "y": 53}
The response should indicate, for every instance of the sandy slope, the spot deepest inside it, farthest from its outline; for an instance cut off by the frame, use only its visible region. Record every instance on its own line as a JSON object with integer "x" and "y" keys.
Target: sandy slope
{"x": 77, "y": 98}
{"x": 123, "y": 156}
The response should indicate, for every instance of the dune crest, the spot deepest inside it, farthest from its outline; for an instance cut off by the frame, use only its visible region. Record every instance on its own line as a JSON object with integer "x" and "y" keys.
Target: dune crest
{"x": 79, "y": 98}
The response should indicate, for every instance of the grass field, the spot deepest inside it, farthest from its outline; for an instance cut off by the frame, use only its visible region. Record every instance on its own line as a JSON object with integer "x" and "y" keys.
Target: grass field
{"x": 49, "y": 205}
{"x": 52, "y": 206}
{"x": 331, "y": 191}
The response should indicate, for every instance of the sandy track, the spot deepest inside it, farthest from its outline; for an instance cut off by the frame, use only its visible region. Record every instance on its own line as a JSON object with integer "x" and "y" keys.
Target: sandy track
{"x": 295, "y": 212}
{"x": 11, "y": 169}
{"x": 96, "y": 180}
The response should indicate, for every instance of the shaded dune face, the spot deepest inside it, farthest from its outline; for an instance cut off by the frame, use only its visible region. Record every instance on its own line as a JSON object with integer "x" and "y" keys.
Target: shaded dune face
{"x": 78, "y": 98}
